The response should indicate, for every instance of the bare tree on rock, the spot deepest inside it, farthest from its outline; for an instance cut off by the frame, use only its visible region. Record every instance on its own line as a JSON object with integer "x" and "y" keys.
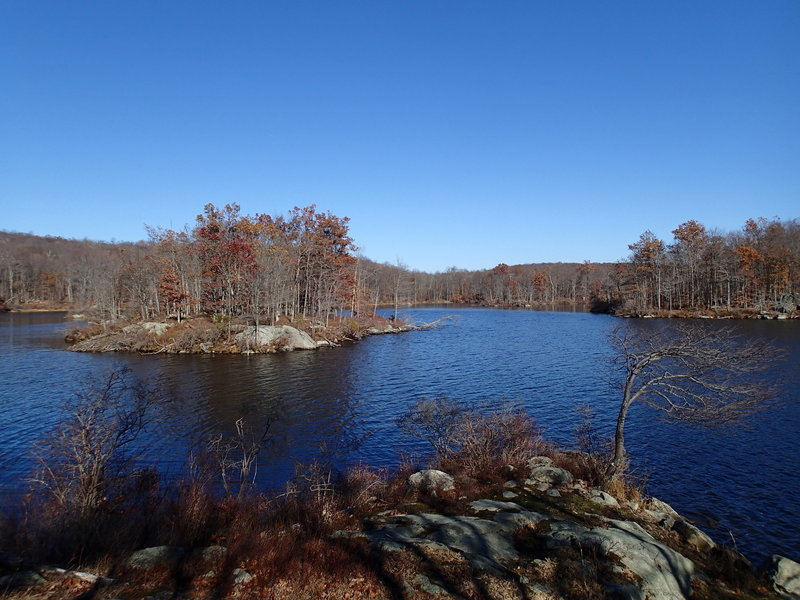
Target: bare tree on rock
{"x": 691, "y": 373}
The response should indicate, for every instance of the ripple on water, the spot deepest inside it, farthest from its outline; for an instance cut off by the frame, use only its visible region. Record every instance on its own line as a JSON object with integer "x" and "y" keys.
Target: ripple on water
{"x": 737, "y": 481}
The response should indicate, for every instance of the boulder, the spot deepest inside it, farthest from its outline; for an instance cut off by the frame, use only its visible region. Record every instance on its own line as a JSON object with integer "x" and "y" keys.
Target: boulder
{"x": 241, "y": 576}
{"x": 693, "y": 536}
{"x": 148, "y": 327}
{"x": 155, "y": 557}
{"x": 432, "y": 481}
{"x": 540, "y": 461}
{"x": 602, "y": 498}
{"x": 282, "y": 337}
{"x": 21, "y": 579}
{"x": 549, "y": 475}
{"x": 155, "y": 328}
{"x": 784, "y": 574}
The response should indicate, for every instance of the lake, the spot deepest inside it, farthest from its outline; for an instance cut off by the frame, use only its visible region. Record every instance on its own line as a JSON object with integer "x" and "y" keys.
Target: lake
{"x": 739, "y": 483}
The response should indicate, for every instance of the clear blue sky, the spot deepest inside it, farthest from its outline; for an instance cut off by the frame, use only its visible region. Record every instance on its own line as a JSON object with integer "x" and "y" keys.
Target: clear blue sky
{"x": 452, "y": 133}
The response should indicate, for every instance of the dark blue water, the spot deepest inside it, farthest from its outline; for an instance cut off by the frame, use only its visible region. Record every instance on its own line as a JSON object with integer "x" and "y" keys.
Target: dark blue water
{"x": 739, "y": 482}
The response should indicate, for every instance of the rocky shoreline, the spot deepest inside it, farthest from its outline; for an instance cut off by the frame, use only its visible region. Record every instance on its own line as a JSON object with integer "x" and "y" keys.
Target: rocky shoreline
{"x": 543, "y": 535}
{"x": 201, "y": 336}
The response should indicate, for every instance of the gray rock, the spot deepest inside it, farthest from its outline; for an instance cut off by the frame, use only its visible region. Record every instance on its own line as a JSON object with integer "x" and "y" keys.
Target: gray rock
{"x": 539, "y": 487}
{"x": 553, "y": 493}
{"x": 784, "y": 574}
{"x": 425, "y": 584}
{"x": 147, "y": 327}
{"x": 494, "y": 506}
{"x": 511, "y": 522}
{"x": 602, "y": 498}
{"x": 509, "y": 495}
{"x": 510, "y": 484}
{"x": 386, "y": 541}
{"x": 21, "y": 579}
{"x": 550, "y": 475}
{"x": 212, "y": 553}
{"x": 661, "y": 518}
{"x": 472, "y": 536}
{"x": 662, "y": 507}
{"x": 155, "y": 328}
{"x": 241, "y": 576}
{"x": 664, "y": 573}
{"x": 540, "y": 461}
{"x": 283, "y": 337}
{"x": 98, "y": 580}
{"x": 693, "y": 536}
{"x": 154, "y": 557}
{"x": 432, "y": 481}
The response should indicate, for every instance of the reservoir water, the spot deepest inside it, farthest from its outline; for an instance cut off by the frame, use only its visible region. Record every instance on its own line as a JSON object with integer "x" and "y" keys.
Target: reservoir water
{"x": 739, "y": 483}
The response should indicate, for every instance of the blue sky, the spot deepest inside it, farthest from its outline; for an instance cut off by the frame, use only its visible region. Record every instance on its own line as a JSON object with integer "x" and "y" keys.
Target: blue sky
{"x": 452, "y": 133}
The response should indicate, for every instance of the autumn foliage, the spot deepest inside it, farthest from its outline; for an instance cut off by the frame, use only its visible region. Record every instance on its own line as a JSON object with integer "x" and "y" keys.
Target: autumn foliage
{"x": 757, "y": 269}
{"x": 303, "y": 264}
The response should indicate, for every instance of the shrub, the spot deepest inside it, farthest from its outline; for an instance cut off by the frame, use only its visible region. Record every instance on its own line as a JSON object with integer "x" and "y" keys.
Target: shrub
{"x": 485, "y": 445}
{"x": 433, "y": 421}
{"x": 86, "y": 476}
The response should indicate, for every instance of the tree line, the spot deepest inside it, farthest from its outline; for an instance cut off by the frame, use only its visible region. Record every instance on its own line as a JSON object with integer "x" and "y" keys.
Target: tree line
{"x": 755, "y": 269}
{"x": 305, "y": 263}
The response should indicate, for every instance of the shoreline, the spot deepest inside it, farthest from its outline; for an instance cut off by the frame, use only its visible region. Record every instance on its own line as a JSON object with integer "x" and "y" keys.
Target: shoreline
{"x": 727, "y": 315}
{"x": 203, "y": 336}
{"x": 542, "y": 528}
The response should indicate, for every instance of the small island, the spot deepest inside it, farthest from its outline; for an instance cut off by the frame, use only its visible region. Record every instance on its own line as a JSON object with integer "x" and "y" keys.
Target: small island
{"x": 208, "y": 336}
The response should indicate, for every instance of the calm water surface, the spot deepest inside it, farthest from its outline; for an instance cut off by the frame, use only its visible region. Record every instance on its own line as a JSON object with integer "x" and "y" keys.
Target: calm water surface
{"x": 739, "y": 483}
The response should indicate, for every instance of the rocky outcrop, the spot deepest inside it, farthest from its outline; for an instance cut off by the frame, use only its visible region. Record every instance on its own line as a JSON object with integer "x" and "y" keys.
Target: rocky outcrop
{"x": 565, "y": 540}
{"x": 637, "y": 550}
{"x": 664, "y": 573}
{"x": 151, "y": 327}
{"x": 156, "y": 556}
{"x": 280, "y": 337}
{"x": 785, "y": 576}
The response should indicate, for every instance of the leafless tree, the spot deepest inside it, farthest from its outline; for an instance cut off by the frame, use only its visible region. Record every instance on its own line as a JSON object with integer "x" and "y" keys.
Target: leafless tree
{"x": 690, "y": 373}
{"x": 85, "y": 455}
{"x": 234, "y": 459}
{"x": 433, "y": 421}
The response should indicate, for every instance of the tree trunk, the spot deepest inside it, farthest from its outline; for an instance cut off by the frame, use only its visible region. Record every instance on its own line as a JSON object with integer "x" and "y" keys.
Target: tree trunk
{"x": 618, "y": 460}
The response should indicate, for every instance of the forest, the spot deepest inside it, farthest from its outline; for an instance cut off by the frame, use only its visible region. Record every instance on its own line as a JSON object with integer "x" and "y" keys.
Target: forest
{"x": 260, "y": 267}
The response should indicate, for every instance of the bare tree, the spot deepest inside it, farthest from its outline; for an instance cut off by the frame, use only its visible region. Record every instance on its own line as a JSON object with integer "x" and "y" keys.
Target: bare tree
{"x": 690, "y": 373}
{"x": 85, "y": 456}
{"x": 434, "y": 421}
{"x": 236, "y": 458}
